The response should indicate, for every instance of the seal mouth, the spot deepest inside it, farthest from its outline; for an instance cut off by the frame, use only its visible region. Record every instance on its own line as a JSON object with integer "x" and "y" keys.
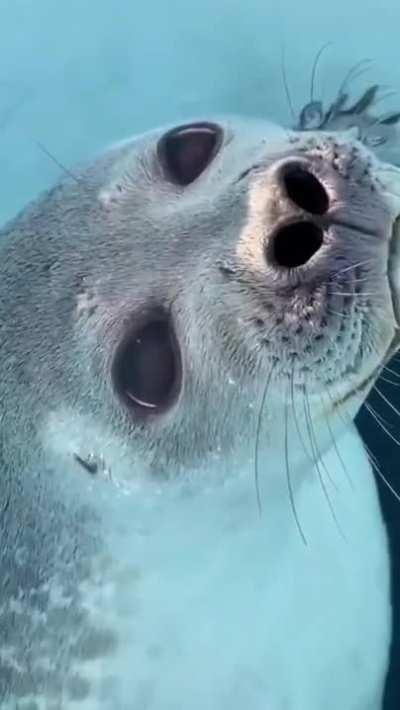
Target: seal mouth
{"x": 147, "y": 367}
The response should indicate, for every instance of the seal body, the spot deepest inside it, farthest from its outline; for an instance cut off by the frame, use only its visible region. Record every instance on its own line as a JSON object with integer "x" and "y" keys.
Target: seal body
{"x": 189, "y": 325}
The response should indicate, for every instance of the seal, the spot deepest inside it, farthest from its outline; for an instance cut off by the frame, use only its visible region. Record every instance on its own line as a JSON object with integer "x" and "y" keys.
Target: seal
{"x": 189, "y": 325}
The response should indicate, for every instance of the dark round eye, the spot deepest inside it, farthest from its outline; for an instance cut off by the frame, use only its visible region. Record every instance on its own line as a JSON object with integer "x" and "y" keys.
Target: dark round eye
{"x": 147, "y": 368}
{"x": 186, "y": 151}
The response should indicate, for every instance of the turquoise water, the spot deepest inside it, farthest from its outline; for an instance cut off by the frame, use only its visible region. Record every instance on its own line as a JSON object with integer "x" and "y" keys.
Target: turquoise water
{"x": 82, "y": 74}
{"x": 76, "y": 76}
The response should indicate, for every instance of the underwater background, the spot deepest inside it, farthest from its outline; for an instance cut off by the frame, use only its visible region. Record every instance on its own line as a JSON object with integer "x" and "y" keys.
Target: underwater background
{"x": 79, "y": 74}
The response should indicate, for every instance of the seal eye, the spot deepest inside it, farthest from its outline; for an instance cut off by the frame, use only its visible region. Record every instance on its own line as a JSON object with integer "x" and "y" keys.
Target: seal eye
{"x": 186, "y": 151}
{"x": 147, "y": 369}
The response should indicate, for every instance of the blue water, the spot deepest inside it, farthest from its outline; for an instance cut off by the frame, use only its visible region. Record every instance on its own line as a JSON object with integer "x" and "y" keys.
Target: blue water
{"x": 76, "y": 75}
{"x": 86, "y": 73}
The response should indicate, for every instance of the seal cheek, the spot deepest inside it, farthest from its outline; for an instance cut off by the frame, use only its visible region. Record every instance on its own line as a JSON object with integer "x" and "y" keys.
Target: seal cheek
{"x": 147, "y": 368}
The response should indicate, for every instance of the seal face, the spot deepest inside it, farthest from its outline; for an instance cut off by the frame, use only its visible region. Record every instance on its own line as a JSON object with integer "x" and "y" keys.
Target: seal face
{"x": 198, "y": 302}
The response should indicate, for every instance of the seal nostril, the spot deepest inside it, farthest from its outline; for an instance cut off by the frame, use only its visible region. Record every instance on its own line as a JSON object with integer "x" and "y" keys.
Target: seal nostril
{"x": 147, "y": 368}
{"x": 295, "y": 244}
{"x": 305, "y": 190}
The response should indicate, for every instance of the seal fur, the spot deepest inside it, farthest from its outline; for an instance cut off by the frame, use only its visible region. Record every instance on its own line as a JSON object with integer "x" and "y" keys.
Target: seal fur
{"x": 146, "y": 578}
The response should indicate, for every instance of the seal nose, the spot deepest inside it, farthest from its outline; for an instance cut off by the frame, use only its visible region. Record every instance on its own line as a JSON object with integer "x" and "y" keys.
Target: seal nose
{"x": 294, "y": 244}
{"x": 304, "y": 189}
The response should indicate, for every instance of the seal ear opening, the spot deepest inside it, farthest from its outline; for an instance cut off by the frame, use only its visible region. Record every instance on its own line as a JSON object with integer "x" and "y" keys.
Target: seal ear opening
{"x": 147, "y": 370}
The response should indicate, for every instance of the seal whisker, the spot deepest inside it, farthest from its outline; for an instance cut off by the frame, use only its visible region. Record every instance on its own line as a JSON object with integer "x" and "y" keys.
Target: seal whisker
{"x": 369, "y": 408}
{"x": 342, "y": 413}
{"x": 314, "y": 444}
{"x": 339, "y": 314}
{"x": 357, "y": 279}
{"x": 57, "y": 162}
{"x": 315, "y": 67}
{"x": 311, "y": 434}
{"x": 334, "y": 443}
{"x": 360, "y": 279}
{"x": 389, "y": 117}
{"x": 354, "y": 266}
{"x": 288, "y": 476}
{"x": 388, "y": 94}
{"x": 392, "y": 372}
{"x": 376, "y": 468}
{"x": 364, "y": 294}
{"x": 286, "y": 84}
{"x": 257, "y": 442}
{"x": 310, "y": 456}
{"x": 314, "y": 453}
{"x": 386, "y": 400}
{"x": 354, "y": 73}
{"x": 389, "y": 382}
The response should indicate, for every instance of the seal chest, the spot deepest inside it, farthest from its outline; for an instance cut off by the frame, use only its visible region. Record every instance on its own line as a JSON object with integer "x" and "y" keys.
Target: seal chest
{"x": 190, "y": 517}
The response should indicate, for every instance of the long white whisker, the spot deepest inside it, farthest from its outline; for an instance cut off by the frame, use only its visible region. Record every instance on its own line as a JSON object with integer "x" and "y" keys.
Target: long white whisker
{"x": 389, "y": 382}
{"x": 392, "y": 372}
{"x": 364, "y": 294}
{"x": 286, "y": 84}
{"x": 374, "y": 465}
{"x": 314, "y": 445}
{"x": 385, "y": 399}
{"x": 315, "y": 67}
{"x": 355, "y": 72}
{"x": 376, "y": 468}
{"x": 335, "y": 446}
{"x": 377, "y": 418}
{"x": 355, "y": 266}
{"x": 296, "y": 421}
{"x": 257, "y": 443}
{"x": 288, "y": 477}
{"x": 339, "y": 314}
